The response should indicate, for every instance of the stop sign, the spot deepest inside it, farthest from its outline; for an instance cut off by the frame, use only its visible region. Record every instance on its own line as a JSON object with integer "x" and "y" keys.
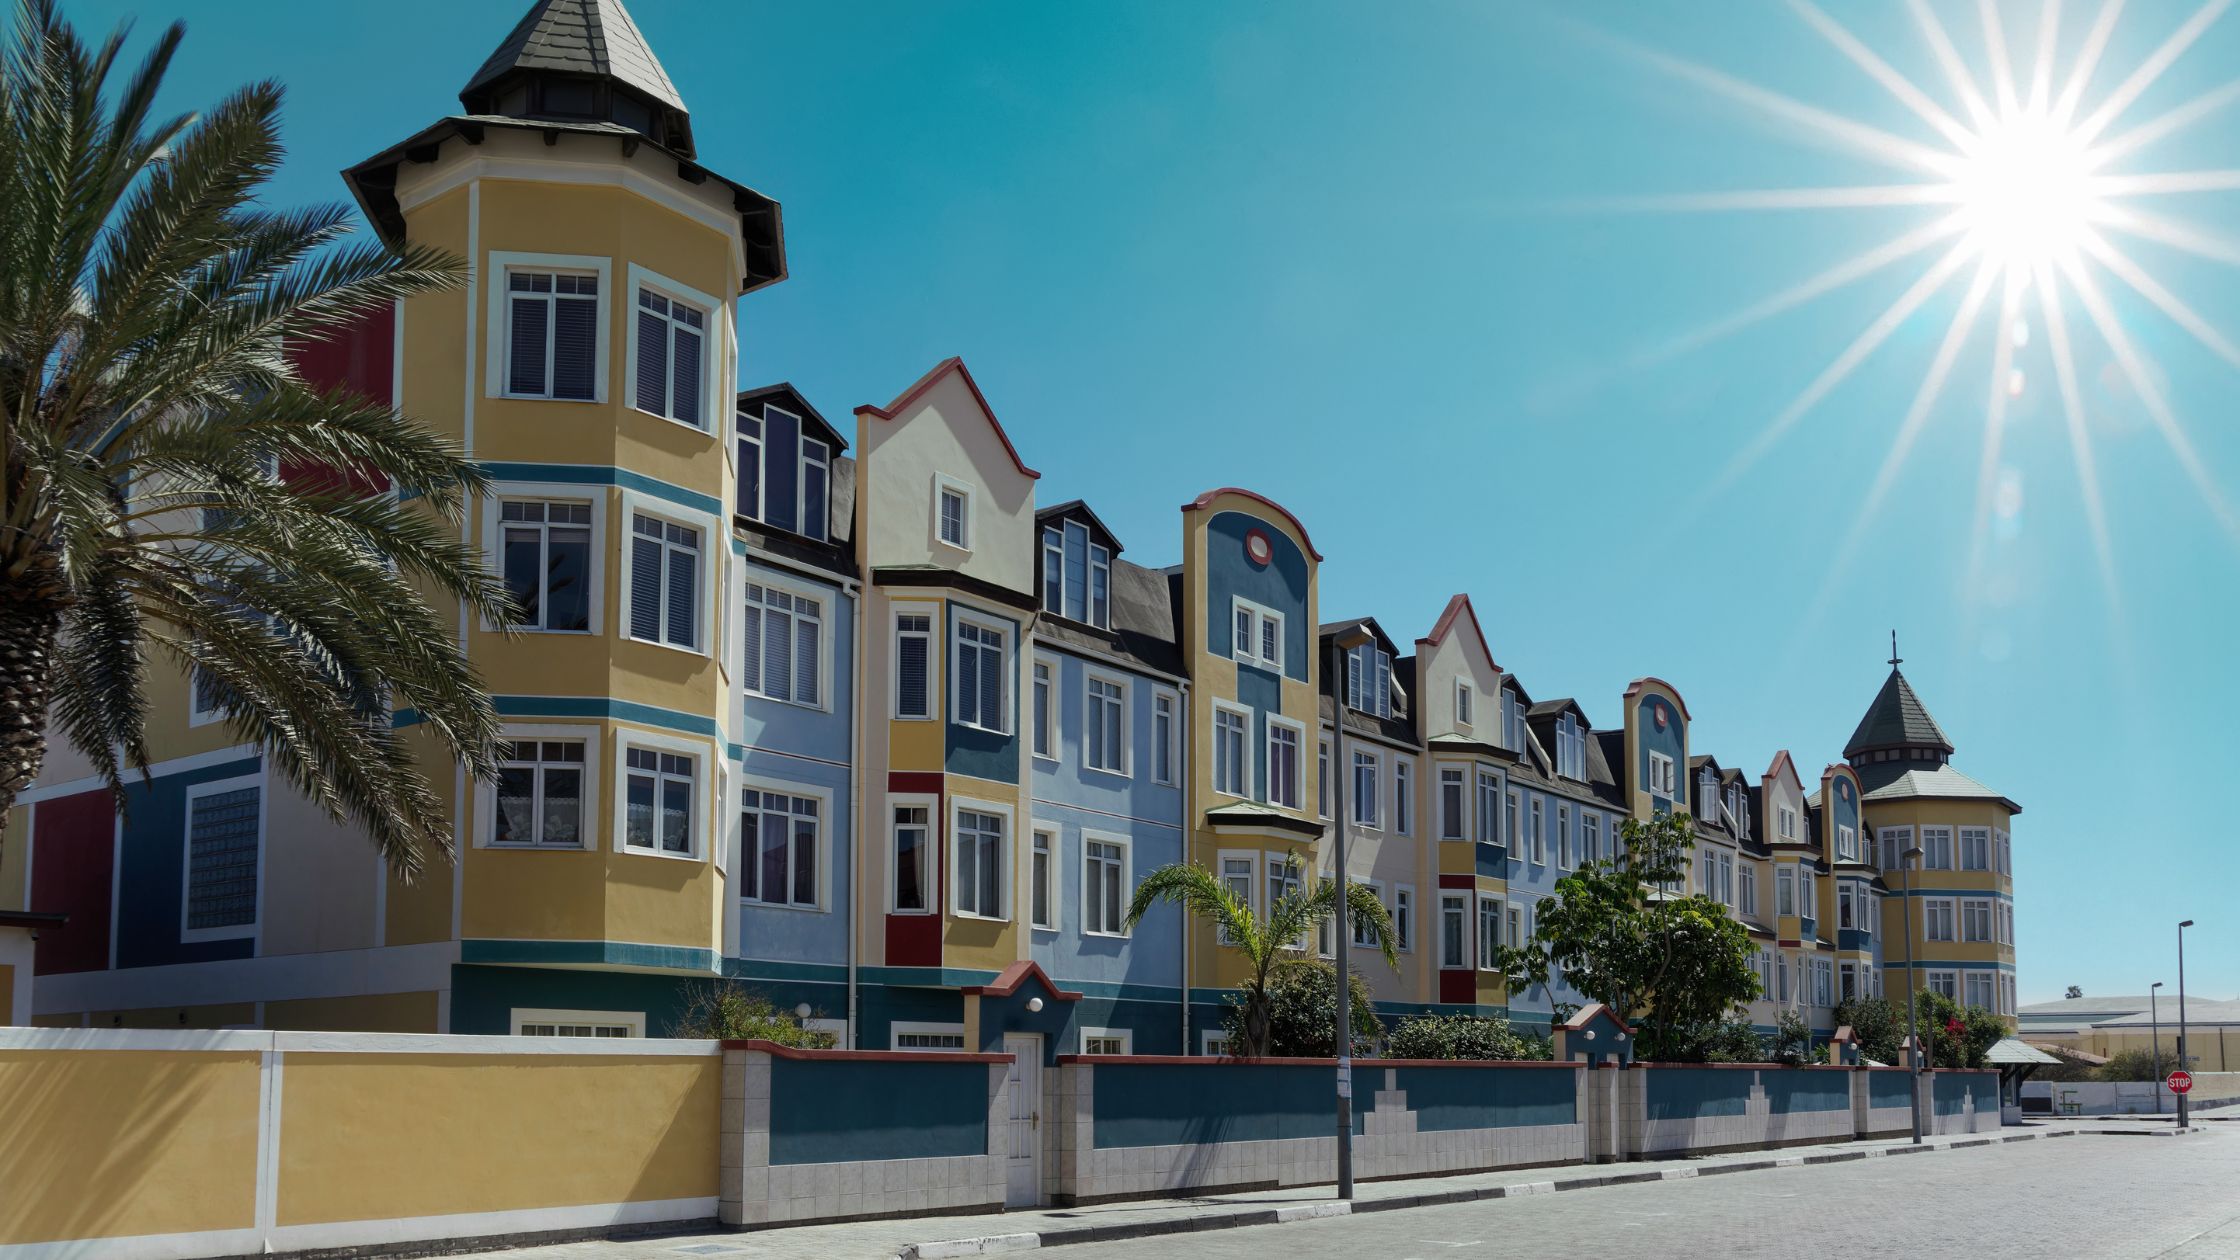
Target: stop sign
{"x": 2181, "y": 1082}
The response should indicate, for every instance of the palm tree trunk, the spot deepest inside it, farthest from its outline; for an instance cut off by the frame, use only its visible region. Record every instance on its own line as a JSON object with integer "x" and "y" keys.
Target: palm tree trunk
{"x": 29, "y": 620}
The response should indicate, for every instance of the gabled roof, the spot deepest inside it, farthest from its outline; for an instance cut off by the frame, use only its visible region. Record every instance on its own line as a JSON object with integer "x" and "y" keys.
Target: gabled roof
{"x": 591, "y": 37}
{"x": 1079, "y": 510}
{"x": 917, "y": 390}
{"x": 1555, "y": 708}
{"x": 790, "y": 399}
{"x": 1368, "y": 625}
{"x": 1453, "y": 612}
{"x": 1896, "y": 719}
{"x": 1782, "y": 761}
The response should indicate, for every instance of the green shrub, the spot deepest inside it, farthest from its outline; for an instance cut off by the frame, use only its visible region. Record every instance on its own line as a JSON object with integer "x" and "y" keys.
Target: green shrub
{"x": 1303, "y": 1012}
{"x": 1792, "y": 1039}
{"x": 1464, "y": 1037}
{"x": 1879, "y": 1027}
{"x": 730, "y": 1011}
{"x": 1732, "y": 1042}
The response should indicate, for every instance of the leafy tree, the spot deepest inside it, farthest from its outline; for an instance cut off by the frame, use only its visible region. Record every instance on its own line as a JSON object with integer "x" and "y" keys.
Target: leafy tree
{"x": 1792, "y": 1039}
{"x": 730, "y": 1011}
{"x": 1303, "y": 1012}
{"x": 1464, "y": 1037}
{"x": 1267, "y": 941}
{"x": 172, "y": 488}
{"x": 2075, "y": 991}
{"x": 1979, "y": 1029}
{"x": 1733, "y": 1041}
{"x": 2141, "y": 1065}
{"x": 1877, "y": 1024}
{"x": 1619, "y": 931}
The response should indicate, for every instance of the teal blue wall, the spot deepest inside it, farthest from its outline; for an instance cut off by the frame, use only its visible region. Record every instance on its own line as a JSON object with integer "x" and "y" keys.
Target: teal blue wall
{"x": 1791, "y": 1090}
{"x": 1949, "y": 1093}
{"x": 824, "y": 1112}
{"x": 1167, "y": 1104}
{"x": 483, "y": 998}
{"x": 1692, "y": 1093}
{"x": 1481, "y": 1097}
{"x": 1889, "y": 1089}
{"x": 1670, "y": 741}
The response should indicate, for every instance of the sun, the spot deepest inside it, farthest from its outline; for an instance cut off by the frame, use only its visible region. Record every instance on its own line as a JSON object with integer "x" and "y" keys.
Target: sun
{"x": 2025, "y": 192}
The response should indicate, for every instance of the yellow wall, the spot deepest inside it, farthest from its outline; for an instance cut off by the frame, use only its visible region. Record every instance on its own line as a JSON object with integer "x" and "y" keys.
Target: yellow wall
{"x": 101, "y": 1144}
{"x": 486, "y": 1133}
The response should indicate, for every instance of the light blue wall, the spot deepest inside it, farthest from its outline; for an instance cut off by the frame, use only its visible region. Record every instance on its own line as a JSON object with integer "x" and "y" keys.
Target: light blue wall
{"x": 810, "y": 748}
{"x": 1071, "y": 798}
{"x": 1529, "y": 883}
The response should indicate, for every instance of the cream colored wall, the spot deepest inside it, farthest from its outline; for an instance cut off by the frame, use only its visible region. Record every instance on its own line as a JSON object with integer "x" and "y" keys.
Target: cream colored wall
{"x": 946, "y": 433}
{"x": 1439, "y": 666}
{"x": 321, "y": 879}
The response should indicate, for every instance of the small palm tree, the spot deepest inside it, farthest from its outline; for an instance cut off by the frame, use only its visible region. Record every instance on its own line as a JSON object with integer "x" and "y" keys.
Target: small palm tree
{"x": 173, "y": 488}
{"x": 1264, "y": 940}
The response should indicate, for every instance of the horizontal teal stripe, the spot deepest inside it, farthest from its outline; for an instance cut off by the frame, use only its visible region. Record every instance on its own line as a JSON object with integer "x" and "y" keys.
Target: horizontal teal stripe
{"x": 589, "y": 954}
{"x": 603, "y": 475}
{"x": 767, "y": 969}
{"x": 1936, "y": 964}
{"x": 594, "y": 707}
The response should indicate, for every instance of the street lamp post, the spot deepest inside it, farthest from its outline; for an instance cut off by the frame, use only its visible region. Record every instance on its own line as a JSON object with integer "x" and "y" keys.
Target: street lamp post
{"x": 1340, "y": 769}
{"x": 2182, "y": 1013}
{"x": 2154, "y": 1018}
{"x": 1905, "y": 889}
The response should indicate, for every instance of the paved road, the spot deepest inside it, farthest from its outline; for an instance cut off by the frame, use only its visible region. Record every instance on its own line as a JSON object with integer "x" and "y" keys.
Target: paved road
{"x": 2086, "y": 1196}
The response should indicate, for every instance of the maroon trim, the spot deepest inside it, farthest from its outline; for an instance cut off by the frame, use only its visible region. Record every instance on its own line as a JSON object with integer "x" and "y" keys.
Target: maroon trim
{"x": 1199, "y": 505}
{"x": 1359, "y": 1064}
{"x": 914, "y": 939}
{"x": 1455, "y": 608}
{"x": 1008, "y": 980}
{"x": 1634, "y": 688}
{"x": 1464, "y": 882}
{"x": 953, "y": 363}
{"x": 1781, "y": 759}
{"x": 1755, "y": 1067}
{"x": 1458, "y": 986}
{"x": 776, "y": 1051}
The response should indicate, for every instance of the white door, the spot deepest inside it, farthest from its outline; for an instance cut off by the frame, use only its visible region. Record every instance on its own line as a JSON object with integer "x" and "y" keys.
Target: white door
{"x": 1023, "y": 1185}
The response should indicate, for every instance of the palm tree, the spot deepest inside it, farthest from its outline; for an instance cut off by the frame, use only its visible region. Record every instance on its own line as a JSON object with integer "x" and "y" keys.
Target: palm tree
{"x": 173, "y": 488}
{"x": 1265, "y": 942}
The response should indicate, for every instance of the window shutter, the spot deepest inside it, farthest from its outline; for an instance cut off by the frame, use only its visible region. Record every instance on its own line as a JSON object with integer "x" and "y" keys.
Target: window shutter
{"x": 910, "y": 663}
{"x": 684, "y": 398}
{"x": 525, "y": 374}
{"x": 683, "y": 581}
{"x": 575, "y": 343}
{"x": 645, "y": 588}
{"x": 653, "y": 362}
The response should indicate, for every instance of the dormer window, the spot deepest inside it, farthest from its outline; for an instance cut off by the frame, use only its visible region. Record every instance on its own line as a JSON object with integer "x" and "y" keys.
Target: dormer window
{"x": 1463, "y": 695}
{"x": 1512, "y": 722}
{"x": 1369, "y": 680}
{"x": 1571, "y": 747}
{"x": 1707, "y": 795}
{"x": 1076, "y": 575}
{"x": 785, "y": 475}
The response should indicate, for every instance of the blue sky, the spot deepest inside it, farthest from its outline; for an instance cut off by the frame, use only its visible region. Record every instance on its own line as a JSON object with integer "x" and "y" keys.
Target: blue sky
{"x": 1379, "y": 264}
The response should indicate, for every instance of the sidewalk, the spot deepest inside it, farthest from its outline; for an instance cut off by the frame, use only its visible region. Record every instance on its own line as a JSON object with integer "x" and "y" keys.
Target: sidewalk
{"x": 928, "y": 1238}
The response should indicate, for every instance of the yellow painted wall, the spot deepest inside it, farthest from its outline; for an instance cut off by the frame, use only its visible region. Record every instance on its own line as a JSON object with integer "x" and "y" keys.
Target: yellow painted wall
{"x": 486, "y": 1133}
{"x": 110, "y": 1143}
{"x": 373, "y": 1012}
{"x": 421, "y": 911}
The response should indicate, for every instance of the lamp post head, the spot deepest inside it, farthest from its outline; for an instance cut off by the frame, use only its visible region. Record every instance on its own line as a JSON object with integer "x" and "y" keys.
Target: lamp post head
{"x": 2152, "y": 987}
{"x": 1912, "y": 856}
{"x": 2186, "y": 924}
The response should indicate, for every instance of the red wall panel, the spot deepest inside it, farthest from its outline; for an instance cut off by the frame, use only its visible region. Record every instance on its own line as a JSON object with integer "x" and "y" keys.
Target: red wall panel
{"x": 73, "y": 858}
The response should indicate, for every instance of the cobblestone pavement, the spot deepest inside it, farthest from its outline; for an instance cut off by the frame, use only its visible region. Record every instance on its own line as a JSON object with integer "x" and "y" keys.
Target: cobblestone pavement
{"x": 2090, "y": 1196}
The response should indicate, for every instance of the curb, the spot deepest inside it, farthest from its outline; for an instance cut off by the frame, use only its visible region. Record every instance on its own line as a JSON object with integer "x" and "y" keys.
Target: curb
{"x": 996, "y": 1244}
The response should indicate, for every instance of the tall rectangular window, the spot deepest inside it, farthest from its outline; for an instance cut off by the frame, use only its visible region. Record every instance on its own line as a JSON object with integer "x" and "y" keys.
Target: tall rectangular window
{"x": 779, "y": 838}
{"x": 1463, "y": 696}
{"x": 1042, "y": 908}
{"x": 816, "y": 489}
{"x": 1162, "y": 737}
{"x": 1539, "y": 839}
{"x": 1365, "y": 777}
{"x": 1975, "y": 849}
{"x": 1489, "y": 933}
{"x": 1936, "y": 848}
{"x": 1936, "y": 919}
{"x": 1450, "y": 804}
{"x": 1403, "y": 797}
{"x": 672, "y": 341}
{"x": 1975, "y": 920}
{"x": 1660, "y": 776}
{"x": 658, "y": 792}
{"x": 1104, "y": 726}
{"x": 1749, "y": 890}
{"x": 664, "y": 581}
{"x": 222, "y": 858}
{"x": 1104, "y": 895}
{"x": 540, "y": 794}
{"x": 784, "y": 657}
{"x": 1510, "y": 831}
{"x": 1404, "y": 918}
{"x": 1231, "y": 771}
{"x": 1045, "y": 710}
{"x": 980, "y": 864}
{"x": 1323, "y": 783}
{"x": 1076, "y": 575}
{"x": 1283, "y": 765}
{"x": 547, "y": 557}
{"x": 1784, "y": 891}
{"x": 955, "y": 517}
{"x": 913, "y": 658}
{"x": 552, "y": 343}
{"x": 1489, "y": 795}
{"x": 1454, "y": 928}
{"x": 1590, "y": 836}
{"x": 1236, "y": 876}
{"x": 1563, "y": 835}
{"x": 913, "y": 843}
{"x": 979, "y": 677}
{"x": 1847, "y": 844}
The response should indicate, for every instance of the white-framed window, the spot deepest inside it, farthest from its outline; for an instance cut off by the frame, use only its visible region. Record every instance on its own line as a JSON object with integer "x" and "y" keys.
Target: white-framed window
{"x": 1107, "y": 883}
{"x": 980, "y": 674}
{"x": 1891, "y": 844}
{"x": 548, "y": 327}
{"x": 536, "y": 1022}
{"x": 1808, "y": 893}
{"x": 672, "y": 349}
{"x": 1240, "y": 875}
{"x": 1844, "y": 912}
{"x": 785, "y": 648}
{"x": 1788, "y": 822}
{"x": 1707, "y": 795}
{"x": 1937, "y": 919}
{"x": 1784, "y": 891}
{"x": 661, "y": 807}
{"x": 1726, "y": 879}
{"x": 785, "y": 476}
{"x": 1403, "y": 796}
{"x": 1284, "y": 878}
{"x": 1162, "y": 736}
{"x": 913, "y": 1035}
{"x": 1368, "y": 779}
{"x": 544, "y": 796}
{"x": 665, "y": 570}
{"x": 952, "y": 512}
{"x": 783, "y": 844}
{"x": 1369, "y": 679}
{"x": 1213, "y": 1043}
{"x": 1520, "y": 733}
{"x": 1563, "y": 835}
{"x": 1232, "y": 760}
{"x": 1045, "y": 708}
{"x": 1453, "y": 820}
{"x": 1257, "y": 637}
{"x": 1107, "y": 1041}
{"x": 1847, "y": 843}
{"x": 1076, "y": 575}
{"x": 1284, "y": 753}
{"x": 1042, "y": 909}
{"x": 548, "y": 550}
{"x": 1946, "y": 983}
{"x": 221, "y": 895}
{"x": 1489, "y": 932}
{"x": 1512, "y": 832}
{"x": 1781, "y": 969}
{"x": 1750, "y": 890}
{"x": 1661, "y": 782}
{"x": 913, "y": 662}
{"x": 1571, "y": 747}
{"x": 1454, "y": 930}
{"x": 1975, "y": 919}
{"x": 910, "y": 866}
{"x": 981, "y": 858}
{"x": 1105, "y": 734}
{"x": 1936, "y": 848}
{"x": 1979, "y": 990}
{"x": 1520, "y": 922}
{"x": 1464, "y": 698}
{"x": 1403, "y": 917}
{"x": 1590, "y": 836}
{"x": 1975, "y": 848}
{"x": 1823, "y": 982}
{"x": 1539, "y": 837}
{"x": 1365, "y": 937}
{"x": 2005, "y": 843}
{"x": 1323, "y": 783}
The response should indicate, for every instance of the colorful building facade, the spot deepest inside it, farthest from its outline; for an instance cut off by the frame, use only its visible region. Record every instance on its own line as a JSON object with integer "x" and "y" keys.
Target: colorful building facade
{"x": 857, "y": 717}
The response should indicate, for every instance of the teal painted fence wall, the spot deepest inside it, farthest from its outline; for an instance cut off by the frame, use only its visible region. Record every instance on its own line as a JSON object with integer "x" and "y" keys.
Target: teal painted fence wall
{"x": 825, "y": 1111}
{"x": 1792, "y": 1090}
{"x": 1174, "y": 1104}
{"x": 1480, "y": 1097}
{"x": 1948, "y": 1096}
{"x": 1690, "y": 1093}
{"x": 1889, "y": 1089}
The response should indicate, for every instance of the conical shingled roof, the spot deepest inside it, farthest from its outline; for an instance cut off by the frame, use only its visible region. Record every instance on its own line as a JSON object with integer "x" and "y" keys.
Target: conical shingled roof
{"x": 1896, "y": 719}
{"x": 594, "y": 37}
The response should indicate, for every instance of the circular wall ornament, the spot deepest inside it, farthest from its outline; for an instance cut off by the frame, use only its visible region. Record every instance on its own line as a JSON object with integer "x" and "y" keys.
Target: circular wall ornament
{"x": 1257, "y": 548}
{"x": 1656, "y": 710}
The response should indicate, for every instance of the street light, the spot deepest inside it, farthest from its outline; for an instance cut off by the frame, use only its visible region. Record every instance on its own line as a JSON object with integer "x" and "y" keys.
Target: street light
{"x": 2182, "y": 1013}
{"x": 1905, "y": 888}
{"x": 1341, "y": 769}
{"x": 2154, "y": 1017}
